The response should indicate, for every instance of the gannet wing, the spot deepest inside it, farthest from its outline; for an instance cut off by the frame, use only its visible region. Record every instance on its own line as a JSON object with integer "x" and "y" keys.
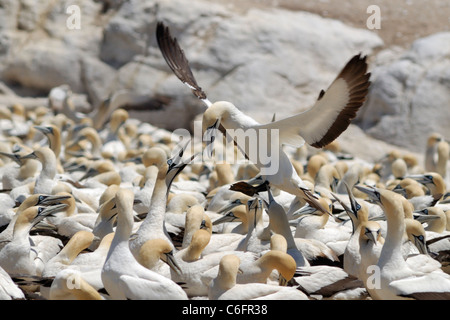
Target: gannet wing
{"x": 332, "y": 112}
{"x": 431, "y": 286}
{"x": 177, "y": 61}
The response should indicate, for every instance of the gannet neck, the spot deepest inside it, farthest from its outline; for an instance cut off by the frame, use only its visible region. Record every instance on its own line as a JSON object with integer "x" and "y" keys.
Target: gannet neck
{"x": 124, "y": 204}
{"x": 193, "y": 221}
{"x": 443, "y": 152}
{"x": 77, "y": 243}
{"x": 48, "y": 159}
{"x": 278, "y": 242}
{"x": 155, "y": 217}
{"x": 228, "y": 269}
{"x": 393, "y": 208}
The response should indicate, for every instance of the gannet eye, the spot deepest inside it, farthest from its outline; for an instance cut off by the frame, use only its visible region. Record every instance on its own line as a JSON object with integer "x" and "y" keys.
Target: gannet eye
{"x": 40, "y": 209}
{"x": 41, "y": 198}
{"x": 421, "y": 238}
{"x": 358, "y": 206}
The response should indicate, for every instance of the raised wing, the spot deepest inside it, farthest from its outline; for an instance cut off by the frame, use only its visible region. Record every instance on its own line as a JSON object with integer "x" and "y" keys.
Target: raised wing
{"x": 177, "y": 61}
{"x": 333, "y": 110}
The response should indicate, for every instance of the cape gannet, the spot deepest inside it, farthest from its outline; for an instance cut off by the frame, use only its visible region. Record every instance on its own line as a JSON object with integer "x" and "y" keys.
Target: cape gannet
{"x": 395, "y": 278}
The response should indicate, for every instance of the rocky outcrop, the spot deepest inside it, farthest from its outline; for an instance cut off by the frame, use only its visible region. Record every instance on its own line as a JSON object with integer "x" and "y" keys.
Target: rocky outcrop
{"x": 409, "y": 96}
{"x": 265, "y": 61}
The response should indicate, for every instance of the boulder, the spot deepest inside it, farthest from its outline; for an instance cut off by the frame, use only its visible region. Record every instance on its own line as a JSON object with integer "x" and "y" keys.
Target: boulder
{"x": 408, "y": 98}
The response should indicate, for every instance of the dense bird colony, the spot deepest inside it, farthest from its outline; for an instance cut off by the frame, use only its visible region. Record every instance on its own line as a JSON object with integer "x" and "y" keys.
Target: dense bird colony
{"x": 128, "y": 212}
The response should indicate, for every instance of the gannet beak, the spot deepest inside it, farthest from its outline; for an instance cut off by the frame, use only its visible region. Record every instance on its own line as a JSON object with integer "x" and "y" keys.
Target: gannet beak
{"x": 12, "y": 156}
{"x": 370, "y": 191}
{"x": 305, "y": 210}
{"x": 176, "y": 165}
{"x": 171, "y": 261}
{"x": 51, "y": 199}
{"x": 372, "y": 235}
{"x": 31, "y": 155}
{"x": 210, "y": 136}
{"x": 420, "y": 243}
{"x": 229, "y": 217}
{"x": 44, "y": 130}
{"x": 422, "y": 216}
{"x": 49, "y": 211}
{"x": 90, "y": 173}
{"x": 230, "y": 206}
{"x": 421, "y": 178}
{"x": 400, "y": 190}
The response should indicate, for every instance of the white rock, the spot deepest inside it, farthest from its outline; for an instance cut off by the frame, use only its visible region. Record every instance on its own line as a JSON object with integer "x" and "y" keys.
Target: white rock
{"x": 408, "y": 98}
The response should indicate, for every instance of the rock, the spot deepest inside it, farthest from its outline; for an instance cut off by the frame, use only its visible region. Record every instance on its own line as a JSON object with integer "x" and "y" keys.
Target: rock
{"x": 263, "y": 60}
{"x": 45, "y": 65}
{"x": 408, "y": 98}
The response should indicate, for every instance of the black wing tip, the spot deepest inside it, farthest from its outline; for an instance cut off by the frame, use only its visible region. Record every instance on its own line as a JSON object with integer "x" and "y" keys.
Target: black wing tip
{"x": 176, "y": 59}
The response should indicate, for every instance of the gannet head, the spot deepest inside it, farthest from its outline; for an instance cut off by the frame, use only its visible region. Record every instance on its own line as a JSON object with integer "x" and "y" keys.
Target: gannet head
{"x": 433, "y": 139}
{"x": 16, "y": 157}
{"x": 32, "y": 215}
{"x": 216, "y": 114}
{"x": 431, "y": 179}
{"x": 118, "y": 119}
{"x": 416, "y": 234}
{"x": 154, "y": 250}
{"x": 371, "y": 231}
{"x": 228, "y": 269}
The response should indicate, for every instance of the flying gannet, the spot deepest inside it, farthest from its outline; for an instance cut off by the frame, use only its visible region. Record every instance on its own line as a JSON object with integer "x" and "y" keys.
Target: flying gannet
{"x": 318, "y": 126}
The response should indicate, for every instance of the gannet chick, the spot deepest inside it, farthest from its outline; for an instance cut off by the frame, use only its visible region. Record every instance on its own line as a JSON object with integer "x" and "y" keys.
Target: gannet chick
{"x": 320, "y": 125}
{"x": 124, "y": 277}
{"x": 224, "y": 286}
{"x": 396, "y": 279}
